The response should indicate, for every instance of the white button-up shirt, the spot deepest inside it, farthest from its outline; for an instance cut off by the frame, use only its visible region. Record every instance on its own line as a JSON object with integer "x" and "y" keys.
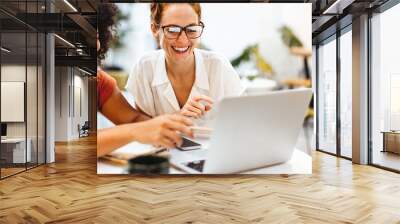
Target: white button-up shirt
{"x": 153, "y": 92}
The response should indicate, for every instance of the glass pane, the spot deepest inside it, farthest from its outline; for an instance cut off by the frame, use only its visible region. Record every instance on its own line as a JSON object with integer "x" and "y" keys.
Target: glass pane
{"x": 386, "y": 89}
{"x": 31, "y": 98}
{"x": 394, "y": 102}
{"x": 13, "y": 85}
{"x": 32, "y": 88}
{"x": 327, "y": 97}
{"x": 41, "y": 99}
{"x": 22, "y": 79}
{"x": 346, "y": 94}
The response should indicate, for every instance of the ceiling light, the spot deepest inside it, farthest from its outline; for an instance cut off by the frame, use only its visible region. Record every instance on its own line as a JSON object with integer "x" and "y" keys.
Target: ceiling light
{"x": 71, "y": 6}
{"x": 65, "y": 41}
{"x": 5, "y": 50}
{"x": 79, "y": 51}
{"x": 86, "y": 72}
{"x": 338, "y": 6}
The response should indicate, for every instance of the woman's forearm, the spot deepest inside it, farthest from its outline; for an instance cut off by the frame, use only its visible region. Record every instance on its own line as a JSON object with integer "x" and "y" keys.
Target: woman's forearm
{"x": 109, "y": 139}
{"x": 141, "y": 117}
{"x": 119, "y": 111}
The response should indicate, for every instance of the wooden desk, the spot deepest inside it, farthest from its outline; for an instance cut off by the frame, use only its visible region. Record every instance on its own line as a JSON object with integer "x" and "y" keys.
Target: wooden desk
{"x": 391, "y": 141}
{"x": 13, "y": 150}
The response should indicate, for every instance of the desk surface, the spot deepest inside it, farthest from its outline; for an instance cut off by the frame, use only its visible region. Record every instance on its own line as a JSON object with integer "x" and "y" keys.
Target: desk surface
{"x": 13, "y": 140}
{"x": 300, "y": 163}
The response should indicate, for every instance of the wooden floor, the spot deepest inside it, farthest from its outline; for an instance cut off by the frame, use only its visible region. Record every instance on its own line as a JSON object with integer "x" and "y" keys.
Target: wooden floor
{"x": 5, "y": 172}
{"x": 387, "y": 159}
{"x": 69, "y": 191}
{"x": 10, "y": 171}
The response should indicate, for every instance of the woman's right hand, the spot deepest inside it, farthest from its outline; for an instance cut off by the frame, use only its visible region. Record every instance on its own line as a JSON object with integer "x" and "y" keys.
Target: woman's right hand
{"x": 163, "y": 130}
{"x": 194, "y": 108}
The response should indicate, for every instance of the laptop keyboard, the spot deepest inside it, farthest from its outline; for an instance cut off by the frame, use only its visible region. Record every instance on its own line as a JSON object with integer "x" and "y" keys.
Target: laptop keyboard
{"x": 196, "y": 165}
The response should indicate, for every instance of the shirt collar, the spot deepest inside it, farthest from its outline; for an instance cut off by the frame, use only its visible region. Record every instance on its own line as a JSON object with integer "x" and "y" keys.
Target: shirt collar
{"x": 201, "y": 80}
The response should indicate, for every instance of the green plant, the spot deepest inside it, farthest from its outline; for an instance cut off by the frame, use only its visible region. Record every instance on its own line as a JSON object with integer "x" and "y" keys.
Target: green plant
{"x": 289, "y": 38}
{"x": 252, "y": 53}
{"x": 296, "y": 47}
{"x": 243, "y": 57}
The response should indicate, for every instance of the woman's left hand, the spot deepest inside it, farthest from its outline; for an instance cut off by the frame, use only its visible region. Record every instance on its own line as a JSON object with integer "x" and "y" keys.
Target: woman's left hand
{"x": 197, "y": 106}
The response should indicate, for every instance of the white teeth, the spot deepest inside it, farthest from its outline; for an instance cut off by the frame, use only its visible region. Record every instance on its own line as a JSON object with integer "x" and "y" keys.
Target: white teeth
{"x": 181, "y": 49}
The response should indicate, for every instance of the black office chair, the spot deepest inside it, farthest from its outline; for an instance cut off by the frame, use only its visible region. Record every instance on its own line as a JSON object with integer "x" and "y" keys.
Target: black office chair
{"x": 84, "y": 130}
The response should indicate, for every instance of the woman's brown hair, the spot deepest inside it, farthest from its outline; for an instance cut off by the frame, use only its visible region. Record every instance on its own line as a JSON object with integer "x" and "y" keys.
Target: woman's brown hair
{"x": 157, "y": 9}
{"x": 105, "y": 26}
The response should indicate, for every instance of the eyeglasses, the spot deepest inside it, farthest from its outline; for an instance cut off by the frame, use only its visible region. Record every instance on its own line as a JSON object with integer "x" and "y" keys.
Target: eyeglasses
{"x": 174, "y": 31}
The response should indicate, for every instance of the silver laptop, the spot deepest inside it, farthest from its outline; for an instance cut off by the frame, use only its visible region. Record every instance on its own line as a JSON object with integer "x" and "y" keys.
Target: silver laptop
{"x": 251, "y": 132}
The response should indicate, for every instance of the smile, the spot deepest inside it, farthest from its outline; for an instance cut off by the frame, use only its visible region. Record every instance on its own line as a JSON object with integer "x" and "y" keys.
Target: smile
{"x": 181, "y": 49}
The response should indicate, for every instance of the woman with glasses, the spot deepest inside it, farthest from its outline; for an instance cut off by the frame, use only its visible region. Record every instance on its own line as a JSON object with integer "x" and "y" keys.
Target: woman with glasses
{"x": 180, "y": 78}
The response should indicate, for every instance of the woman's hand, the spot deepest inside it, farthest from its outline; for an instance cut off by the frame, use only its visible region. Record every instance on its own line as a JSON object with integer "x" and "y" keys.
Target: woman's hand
{"x": 163, "y": 130}
{"x": 197, "y": 106}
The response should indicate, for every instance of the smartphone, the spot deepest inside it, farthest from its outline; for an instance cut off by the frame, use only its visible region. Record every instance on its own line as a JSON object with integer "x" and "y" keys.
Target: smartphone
{"x": 189, "y": 145}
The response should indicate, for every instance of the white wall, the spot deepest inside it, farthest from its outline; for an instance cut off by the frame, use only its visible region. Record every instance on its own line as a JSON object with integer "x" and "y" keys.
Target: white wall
{"x": 14, "y": 73}
{"x": 34, "y": 125}
{"x": 71, "y": 87}
{"x": 243, "y": 24}
{"x": 80, "y": 102}
{"x": 61, "y": 103}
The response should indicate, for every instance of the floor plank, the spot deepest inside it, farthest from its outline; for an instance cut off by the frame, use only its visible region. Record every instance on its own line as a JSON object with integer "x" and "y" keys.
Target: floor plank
{"x": 70, "y": 191}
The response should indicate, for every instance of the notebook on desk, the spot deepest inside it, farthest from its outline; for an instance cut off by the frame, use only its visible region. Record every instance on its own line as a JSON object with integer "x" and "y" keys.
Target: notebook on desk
{"x": 130, "y": 151}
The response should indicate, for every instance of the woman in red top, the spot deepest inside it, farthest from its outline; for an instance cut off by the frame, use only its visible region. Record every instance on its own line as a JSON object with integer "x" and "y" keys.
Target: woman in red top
{"x": 131, "y": 125}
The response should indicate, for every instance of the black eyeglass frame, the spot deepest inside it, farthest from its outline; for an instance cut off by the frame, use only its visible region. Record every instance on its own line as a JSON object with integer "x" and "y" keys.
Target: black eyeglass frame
{"x": 183, "y": 29}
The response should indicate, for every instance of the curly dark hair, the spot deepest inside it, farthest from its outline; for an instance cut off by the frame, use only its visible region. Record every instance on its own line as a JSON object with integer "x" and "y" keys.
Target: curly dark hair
{"x": 105, "y": 26}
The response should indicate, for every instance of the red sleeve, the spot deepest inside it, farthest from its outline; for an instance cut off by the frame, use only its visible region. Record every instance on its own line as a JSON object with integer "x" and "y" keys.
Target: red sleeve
{"x": 105, "y": 87}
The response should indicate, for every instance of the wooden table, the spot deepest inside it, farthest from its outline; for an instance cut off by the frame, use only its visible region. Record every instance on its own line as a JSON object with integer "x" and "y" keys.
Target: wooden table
{"x": 391, "y": 141}
{"x": 13, "y": 152}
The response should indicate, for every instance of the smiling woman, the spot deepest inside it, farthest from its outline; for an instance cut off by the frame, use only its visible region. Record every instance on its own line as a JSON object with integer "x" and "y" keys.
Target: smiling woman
{"x": 180, "y": 78}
